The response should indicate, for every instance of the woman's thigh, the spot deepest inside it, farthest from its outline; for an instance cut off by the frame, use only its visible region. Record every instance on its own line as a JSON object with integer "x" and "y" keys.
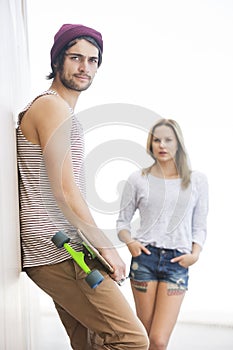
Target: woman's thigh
{"x": 144, "y": 293}
{"x": 166, "y": 311}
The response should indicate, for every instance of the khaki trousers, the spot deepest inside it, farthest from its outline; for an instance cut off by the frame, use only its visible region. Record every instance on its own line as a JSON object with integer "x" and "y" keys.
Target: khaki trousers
{"x": 99, "y": 318}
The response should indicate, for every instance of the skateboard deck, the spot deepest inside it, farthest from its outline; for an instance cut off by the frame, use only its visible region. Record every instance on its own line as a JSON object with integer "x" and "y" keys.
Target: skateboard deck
{"x": 94, "y": 251}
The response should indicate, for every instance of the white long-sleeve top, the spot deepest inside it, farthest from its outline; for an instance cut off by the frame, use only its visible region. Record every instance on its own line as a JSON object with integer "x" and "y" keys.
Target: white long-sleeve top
{"x": 169, "y": 216}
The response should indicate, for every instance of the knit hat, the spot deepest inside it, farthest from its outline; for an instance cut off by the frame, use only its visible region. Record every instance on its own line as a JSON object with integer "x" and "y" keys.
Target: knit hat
{"x": 69, "y": 32}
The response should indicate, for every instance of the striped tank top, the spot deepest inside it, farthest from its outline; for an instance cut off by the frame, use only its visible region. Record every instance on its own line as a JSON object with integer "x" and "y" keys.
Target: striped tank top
{"x": 40, "y": 216}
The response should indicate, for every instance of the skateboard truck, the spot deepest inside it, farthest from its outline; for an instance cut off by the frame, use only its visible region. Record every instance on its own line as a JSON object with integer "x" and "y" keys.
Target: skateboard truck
{"x": 93, "y": 278}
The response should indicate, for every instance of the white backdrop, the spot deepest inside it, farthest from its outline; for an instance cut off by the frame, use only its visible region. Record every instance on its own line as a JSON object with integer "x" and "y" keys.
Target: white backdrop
{"x": 174, "y": 57}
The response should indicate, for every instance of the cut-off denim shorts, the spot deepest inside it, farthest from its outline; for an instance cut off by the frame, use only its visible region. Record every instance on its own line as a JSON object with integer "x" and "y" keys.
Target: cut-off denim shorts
{"x": 157, "y": 267}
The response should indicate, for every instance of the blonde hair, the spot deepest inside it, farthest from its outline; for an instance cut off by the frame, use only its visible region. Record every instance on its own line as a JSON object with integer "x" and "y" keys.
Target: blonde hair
{"x": 181, "y": 155}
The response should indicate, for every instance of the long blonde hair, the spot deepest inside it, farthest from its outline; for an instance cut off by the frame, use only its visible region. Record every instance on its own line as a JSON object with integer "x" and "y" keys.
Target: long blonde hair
{"x": 181, "y": 155}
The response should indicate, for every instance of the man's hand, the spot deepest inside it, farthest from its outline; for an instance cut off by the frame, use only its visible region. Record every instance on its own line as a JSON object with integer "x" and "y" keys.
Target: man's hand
{"x": 114, "y": 259}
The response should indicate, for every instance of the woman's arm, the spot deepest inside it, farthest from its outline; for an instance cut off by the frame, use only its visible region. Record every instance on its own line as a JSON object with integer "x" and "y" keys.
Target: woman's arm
{"x": 200, "y": 212}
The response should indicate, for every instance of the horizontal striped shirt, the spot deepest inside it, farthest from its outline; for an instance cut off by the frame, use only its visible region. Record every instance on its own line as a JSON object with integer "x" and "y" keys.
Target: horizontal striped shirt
{"x": 40, "y": 216}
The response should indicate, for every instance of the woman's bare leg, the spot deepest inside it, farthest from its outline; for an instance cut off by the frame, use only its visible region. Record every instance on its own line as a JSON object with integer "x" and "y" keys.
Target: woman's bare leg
{"x": 166, "y": 311}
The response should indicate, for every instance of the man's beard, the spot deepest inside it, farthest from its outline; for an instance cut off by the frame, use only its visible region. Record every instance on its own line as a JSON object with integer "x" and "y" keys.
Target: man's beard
{"x": 70, "y": 84}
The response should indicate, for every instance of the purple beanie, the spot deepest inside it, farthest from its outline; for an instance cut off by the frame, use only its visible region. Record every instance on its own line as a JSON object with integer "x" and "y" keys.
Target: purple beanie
{"x": 69, "y": 32}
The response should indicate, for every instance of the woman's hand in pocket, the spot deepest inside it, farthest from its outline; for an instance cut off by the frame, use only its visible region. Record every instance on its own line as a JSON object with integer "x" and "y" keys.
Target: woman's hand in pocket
{"x": 185, "y": 260}
{"x": 136, "y": 248}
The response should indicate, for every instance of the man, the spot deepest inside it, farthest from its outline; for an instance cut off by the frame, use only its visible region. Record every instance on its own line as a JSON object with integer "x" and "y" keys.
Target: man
{"x": 52, "y": 189}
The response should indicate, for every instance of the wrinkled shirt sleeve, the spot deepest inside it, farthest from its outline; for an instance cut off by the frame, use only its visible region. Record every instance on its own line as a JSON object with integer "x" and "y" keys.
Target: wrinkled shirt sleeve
{"x": 199, "y": 218}
{"x": 127, "y": 207}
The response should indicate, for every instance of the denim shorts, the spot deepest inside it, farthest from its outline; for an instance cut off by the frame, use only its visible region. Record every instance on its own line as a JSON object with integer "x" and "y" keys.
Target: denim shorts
{"x": 157, "y": 267}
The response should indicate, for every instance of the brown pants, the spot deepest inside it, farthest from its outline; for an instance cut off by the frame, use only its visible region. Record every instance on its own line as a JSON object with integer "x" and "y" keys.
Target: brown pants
{"x": 99, "y": 318}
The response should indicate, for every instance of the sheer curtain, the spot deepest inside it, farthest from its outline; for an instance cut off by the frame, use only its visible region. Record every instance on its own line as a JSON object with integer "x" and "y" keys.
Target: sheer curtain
{"x": 16, "y": 332}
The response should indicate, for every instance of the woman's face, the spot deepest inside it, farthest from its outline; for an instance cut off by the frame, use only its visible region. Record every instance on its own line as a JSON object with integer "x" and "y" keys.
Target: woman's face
{"x": 164, "y": 143}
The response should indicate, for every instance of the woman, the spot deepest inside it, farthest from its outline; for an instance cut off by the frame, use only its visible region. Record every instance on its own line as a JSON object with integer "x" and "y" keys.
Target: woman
{"x": 172, "y": 202}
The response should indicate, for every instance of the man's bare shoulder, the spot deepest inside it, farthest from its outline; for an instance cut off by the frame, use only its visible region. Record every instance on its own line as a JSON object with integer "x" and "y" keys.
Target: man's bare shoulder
{"x": 45, "y": 115}
{"x": 49, "y": 104}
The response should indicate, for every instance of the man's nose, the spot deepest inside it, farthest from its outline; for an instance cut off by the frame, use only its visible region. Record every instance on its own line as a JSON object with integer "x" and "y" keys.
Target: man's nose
{"x": 83, "y": 66}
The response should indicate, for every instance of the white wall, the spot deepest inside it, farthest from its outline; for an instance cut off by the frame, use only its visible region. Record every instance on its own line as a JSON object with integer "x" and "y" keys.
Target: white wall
{"x": 173, "y": 57}
{"x": 15, "y": 330}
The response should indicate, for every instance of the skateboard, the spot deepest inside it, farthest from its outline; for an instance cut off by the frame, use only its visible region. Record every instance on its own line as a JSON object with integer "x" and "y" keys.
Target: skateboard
{"x": 94, "y": 251}
{"x": 94, "y": 277}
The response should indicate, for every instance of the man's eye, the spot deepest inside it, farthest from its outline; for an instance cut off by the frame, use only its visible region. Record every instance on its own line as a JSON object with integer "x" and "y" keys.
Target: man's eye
{"x": 75, "y": 58}
{"x": 94, "y": 60}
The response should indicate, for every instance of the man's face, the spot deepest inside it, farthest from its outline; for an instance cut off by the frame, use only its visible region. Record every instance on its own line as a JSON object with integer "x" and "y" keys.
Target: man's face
{"x": 80, "y": 66}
